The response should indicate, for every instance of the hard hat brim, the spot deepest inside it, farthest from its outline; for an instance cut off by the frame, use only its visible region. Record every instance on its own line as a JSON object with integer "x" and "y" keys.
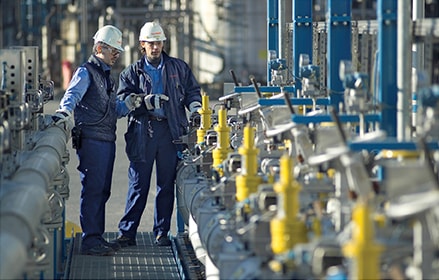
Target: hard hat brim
{"x": 152, "y": 40}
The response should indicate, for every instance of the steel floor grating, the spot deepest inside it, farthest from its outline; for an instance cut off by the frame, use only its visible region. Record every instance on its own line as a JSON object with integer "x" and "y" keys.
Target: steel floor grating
{"x": 144, "y": 261}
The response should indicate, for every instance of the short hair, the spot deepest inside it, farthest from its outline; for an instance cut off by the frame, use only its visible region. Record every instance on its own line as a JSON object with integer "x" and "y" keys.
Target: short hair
{"x": 95, "y": 46}
{"x": 142, "y": 49}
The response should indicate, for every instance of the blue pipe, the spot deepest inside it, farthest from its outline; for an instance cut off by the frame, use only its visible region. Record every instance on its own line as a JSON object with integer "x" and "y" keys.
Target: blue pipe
{"x": 387, "y": 64}
{"x": 339, "y": 46}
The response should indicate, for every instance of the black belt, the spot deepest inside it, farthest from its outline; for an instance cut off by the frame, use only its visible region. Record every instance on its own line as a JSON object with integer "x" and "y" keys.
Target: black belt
{"x": 154, "y": 118}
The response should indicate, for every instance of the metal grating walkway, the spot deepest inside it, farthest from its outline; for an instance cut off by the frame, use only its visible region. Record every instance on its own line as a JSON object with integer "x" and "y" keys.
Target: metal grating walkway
{"x": 144, "y": 261}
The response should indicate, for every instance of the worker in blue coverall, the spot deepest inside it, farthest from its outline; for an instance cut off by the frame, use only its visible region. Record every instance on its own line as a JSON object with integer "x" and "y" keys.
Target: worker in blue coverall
{"x": 91, "y": 96}
{"x": 169, "y": 88}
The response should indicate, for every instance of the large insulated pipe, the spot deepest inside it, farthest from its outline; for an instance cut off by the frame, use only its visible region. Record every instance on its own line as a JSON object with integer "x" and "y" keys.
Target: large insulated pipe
{"x": 23, "y": 199}
{"x": 21, "y": 208}
{"x": 200, "y": 251}
{"x": 44, "y": 162}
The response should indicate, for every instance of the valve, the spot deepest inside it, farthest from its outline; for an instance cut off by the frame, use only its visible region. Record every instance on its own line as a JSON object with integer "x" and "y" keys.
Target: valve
{"x": 35, "y": 99}
{"x": 310, "y": 75}
{"x": 279, "y": 72}
{"x": 356, "y": 88}
{"x": 428, "y": 111}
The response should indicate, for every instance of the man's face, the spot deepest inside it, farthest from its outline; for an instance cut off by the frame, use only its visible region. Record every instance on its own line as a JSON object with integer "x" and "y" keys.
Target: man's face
{"x": 109, "y": 54}
{"x": 153, "y": 50}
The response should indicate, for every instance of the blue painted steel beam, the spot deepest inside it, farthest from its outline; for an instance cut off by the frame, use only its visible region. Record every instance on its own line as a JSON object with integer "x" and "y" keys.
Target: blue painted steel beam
{"x": 328, "y": 118}
{"x": 339, "y": 46}
{"x": 387, "y": 64}
{"x": 272, "y": 32}
{"x": 294, "y": 101}
{"x": 302, "y": 35}
{"x": 389, "y": 145}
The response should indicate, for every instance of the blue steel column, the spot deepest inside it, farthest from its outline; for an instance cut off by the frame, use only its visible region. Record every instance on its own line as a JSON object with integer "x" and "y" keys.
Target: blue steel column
{"x": 339, "y": 46}
{"x": 302, "y": 34}
{"x": 387, "y": 64}
{"x": 272, "y": 32}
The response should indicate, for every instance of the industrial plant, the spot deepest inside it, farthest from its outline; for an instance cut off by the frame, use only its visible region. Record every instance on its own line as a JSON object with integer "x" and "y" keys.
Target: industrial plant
{"x": 314, "y": 155}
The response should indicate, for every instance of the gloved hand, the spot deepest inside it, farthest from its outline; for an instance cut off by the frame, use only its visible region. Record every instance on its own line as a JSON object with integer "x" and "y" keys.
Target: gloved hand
{"x": 194, "y": 107}
{"x": 195, "y": 119}
{"x": 155, "y": 101}
{"x": 63, "y": 117}
{"x": 133, "y": 101}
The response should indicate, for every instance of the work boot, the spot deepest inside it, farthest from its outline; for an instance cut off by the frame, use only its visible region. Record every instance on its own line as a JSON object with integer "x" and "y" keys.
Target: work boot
{"x": 162, "y": 241}
{"x": 124, "y": 241}
{"x": 98, "y": 250}
{"x": 113, "y": 245}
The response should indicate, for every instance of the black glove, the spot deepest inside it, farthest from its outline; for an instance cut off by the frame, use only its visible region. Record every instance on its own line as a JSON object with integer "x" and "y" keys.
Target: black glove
{"x": 155, "y": 101}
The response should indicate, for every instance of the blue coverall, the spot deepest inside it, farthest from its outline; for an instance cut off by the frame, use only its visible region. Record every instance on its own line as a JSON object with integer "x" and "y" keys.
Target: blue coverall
{"x": 151, "y": 137}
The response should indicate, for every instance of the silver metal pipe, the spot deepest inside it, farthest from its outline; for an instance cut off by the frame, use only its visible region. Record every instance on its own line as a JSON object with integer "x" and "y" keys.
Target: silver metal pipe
{"x": 200, "y": 251}
{"x": 45, "y": 160}
{"x": 21, "y": 209}
{"x": 23, "y": 199}
{"x": 13, "y": 256}
{"x": 418, "y": 51}
{"x": 404, "y": 64}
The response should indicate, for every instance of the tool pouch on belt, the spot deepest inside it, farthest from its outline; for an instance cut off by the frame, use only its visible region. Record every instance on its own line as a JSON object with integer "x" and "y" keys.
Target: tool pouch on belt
{"x": 76, "y": 138}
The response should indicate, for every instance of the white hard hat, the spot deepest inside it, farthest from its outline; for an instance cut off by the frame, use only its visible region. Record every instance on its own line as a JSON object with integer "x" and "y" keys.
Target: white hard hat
{"x": 109, "y": 35}
{"x": 152, "y": 32}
